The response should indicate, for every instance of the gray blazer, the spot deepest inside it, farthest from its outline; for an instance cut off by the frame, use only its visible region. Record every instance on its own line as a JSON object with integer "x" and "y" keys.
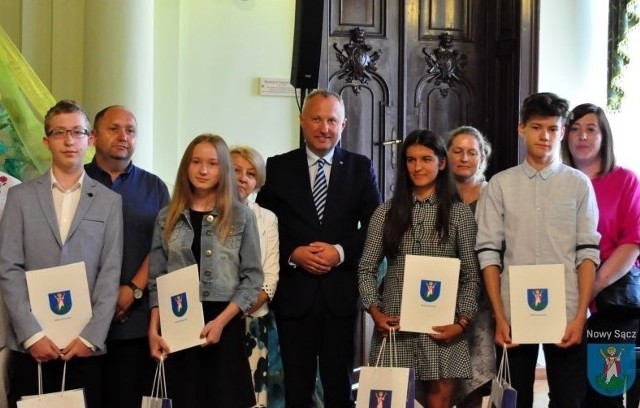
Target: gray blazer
{"x": 30, "y": 239}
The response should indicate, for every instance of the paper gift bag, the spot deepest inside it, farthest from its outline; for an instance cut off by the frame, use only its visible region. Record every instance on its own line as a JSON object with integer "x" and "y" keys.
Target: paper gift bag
{"x": 62, "y": 399}
{"x": 386, "y": 387}
{"x": 502, "y": 394}
{"x": 158, "y": 397}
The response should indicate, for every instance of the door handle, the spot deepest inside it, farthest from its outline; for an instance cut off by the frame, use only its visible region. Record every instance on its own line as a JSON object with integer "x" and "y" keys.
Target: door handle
{"x": 394, "y": 142}
{"x": 391, "y": 142}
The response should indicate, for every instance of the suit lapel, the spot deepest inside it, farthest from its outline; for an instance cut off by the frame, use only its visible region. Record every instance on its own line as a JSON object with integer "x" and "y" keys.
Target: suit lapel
{"x": 335, "y": 179}
{"x": 302, "y": 183}
{"x": 86, "y": 198}
{"x": 45, "y": 198}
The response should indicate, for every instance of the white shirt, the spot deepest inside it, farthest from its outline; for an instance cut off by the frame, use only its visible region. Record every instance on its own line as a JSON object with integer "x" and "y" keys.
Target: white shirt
{"x": 66, "y": 204}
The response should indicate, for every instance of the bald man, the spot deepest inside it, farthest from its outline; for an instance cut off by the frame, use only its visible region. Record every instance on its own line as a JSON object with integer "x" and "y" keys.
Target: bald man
{"x": 129, "y": 367}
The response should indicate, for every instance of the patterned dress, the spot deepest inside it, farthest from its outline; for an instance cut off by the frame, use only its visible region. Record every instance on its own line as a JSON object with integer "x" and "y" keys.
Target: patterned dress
{"x": 432, "y": 360}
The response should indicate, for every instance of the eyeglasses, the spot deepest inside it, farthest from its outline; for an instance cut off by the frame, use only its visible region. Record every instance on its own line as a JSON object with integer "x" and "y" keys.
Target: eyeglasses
{"x": 59, "y": 133}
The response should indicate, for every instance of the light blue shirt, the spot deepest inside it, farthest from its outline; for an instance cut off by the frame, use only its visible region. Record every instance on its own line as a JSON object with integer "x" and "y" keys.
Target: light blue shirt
{"x": 543, "y": 217}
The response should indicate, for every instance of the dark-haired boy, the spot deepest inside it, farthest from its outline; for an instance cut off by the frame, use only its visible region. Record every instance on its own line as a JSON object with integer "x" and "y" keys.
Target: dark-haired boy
{"x": 546, "y": 213}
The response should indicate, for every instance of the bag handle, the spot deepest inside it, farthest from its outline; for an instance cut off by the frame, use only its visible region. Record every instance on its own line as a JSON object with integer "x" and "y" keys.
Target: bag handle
{"x": 504, "y": 372}
{"x": 505, "y": 360}
{"x": 393, "y": 349}
{"x": 155, "y": 382}
{"x": 163, "y": 392}
{"x": 159, "y": 386}
{"x": 39, "y": 379}
{"x": 64, "y": 377}
{"x": 382, "y": 345}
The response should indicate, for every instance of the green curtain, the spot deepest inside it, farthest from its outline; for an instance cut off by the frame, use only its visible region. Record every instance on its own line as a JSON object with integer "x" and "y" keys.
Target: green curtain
{"x": 24, "y": 100}
{"x": 623, "y": 16}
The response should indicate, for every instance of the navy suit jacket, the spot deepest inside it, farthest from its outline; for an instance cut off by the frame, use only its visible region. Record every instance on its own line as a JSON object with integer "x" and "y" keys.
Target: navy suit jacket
{"x": 352, "y": 197}
{"x": 30, "y": 239}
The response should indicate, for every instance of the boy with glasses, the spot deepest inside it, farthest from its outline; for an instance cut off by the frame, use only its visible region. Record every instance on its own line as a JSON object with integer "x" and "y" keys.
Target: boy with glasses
{"x": 60, "y": 218}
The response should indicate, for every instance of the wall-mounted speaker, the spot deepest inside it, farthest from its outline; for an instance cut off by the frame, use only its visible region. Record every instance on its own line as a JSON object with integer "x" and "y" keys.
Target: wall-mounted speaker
{"x": 307, "y": 44}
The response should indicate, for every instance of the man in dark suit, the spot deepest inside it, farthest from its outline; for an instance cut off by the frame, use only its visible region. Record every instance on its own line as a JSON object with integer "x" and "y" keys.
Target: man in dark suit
{"x": 322, "y": 232}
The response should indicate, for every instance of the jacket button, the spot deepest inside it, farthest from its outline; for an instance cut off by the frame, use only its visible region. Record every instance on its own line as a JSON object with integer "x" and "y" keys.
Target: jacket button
{"x": 205, "y": 293}
{"x": 208, "y": 252}
{"x": 209, "y": 233}
{"x": 209, "y": 218}
{"x": 207, "y": 273}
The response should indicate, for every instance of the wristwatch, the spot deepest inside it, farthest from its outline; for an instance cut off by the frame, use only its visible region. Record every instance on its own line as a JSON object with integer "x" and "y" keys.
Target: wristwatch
{"x": 137, "y": 292}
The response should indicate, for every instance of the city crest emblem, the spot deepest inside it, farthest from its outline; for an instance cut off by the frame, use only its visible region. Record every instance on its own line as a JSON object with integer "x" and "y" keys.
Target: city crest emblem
{"x": 179, "y": 304}
{"x": 538, "y": 299}
{"x": 611, "y": 368}
{"x": 430, "y": 290}
{"x": 60, "y": 302}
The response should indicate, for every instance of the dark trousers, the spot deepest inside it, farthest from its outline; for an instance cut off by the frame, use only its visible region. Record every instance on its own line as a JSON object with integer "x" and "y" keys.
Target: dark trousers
{"x": 604, "y": 322}
{"x": 566, "y": 373}
{"x": 83, "y": 373}
{"x": 128, "y": 373}
{"x": 317, "y": 338}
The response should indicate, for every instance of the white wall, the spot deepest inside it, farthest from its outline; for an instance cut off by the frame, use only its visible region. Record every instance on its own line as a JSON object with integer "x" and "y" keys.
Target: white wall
{"x": 224, "y": 47}
{"x": 573, "y": 50}
{"x": 208, "y": 56}
{"x": 573, "y": 64}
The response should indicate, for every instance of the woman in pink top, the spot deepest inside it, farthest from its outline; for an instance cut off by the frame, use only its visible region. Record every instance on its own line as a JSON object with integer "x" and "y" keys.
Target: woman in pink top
{"x": 588, "y": 146}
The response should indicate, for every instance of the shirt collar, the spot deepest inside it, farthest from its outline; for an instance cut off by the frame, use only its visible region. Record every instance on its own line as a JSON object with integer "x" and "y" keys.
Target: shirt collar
{"x": 544, "y": 173}
{"x": 124, "y": 174}
{"x": 431, "y": 199}
{"x": 55, "y": 184}
{"x": 312, "y": 158}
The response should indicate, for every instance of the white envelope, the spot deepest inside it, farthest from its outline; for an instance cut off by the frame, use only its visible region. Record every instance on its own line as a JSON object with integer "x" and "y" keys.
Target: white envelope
{"x": 429, "y": 293}
{"x": 538, "y": 305}
{"x": 181, "y": 316}
{"x": 60, "y": 301}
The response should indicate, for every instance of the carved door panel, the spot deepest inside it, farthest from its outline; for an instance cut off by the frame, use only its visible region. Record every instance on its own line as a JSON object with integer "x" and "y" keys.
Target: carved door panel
{"x": 362, "y": 56}
{"x": 445, "y": 64}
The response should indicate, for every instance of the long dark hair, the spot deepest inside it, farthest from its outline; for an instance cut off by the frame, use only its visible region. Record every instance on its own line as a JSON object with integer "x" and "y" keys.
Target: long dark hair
{"x": 398, "y": 218}
{"x": 606, "y": 148}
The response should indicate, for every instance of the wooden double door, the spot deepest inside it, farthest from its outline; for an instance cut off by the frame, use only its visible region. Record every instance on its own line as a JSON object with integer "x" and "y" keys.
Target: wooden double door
{"x": 402, "y": 65}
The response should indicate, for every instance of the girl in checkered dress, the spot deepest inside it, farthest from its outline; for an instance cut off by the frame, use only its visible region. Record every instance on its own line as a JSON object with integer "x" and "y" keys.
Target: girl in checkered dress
{"x": 424, "y": 217}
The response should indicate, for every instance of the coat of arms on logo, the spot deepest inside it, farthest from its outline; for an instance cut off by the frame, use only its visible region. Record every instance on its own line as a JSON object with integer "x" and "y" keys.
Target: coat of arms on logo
{"x": 611, "y": 368}
{"x": 430, "y": 290}
{"x": 538, "y": 299}
{"x": 60, "y": 302}
{"x": 179, "y": 304}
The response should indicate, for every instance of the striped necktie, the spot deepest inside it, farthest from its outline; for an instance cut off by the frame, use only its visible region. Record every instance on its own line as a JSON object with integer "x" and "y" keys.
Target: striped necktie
{"x": 320, "y": 189}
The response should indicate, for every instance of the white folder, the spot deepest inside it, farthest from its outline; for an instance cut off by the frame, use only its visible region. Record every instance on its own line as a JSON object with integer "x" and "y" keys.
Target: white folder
{"x": 538, "y": 303}
{"x": 60, "y": 301}
{"x": 181, "y": 316}
{"x": 429, "y": 293}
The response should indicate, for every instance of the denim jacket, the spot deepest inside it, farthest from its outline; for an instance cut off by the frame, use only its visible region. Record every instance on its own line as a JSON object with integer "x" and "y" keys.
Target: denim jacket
{"x": 229, "y": 271}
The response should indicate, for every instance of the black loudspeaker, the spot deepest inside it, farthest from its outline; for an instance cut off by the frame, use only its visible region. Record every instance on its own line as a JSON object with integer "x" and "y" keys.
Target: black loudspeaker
{"x": 307, "y": 44}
